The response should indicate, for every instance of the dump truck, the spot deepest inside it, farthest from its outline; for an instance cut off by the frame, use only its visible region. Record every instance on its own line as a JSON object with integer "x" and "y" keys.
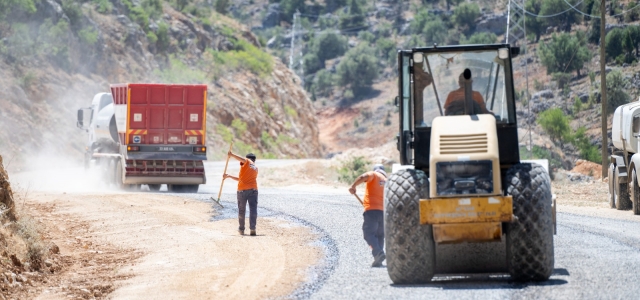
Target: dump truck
{"x": 148, "y": 134}
{"x": 624, "y": 162}
{"x": 463, "y": 202}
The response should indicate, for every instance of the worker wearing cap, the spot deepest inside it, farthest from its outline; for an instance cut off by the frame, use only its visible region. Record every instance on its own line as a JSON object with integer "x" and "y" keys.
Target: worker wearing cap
{"x": 373, "y": 226}
{"x": 247, "y": 190}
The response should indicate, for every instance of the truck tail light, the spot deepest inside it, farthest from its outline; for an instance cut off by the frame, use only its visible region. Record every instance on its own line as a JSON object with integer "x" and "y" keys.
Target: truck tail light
{"x": 200, "y": 149}
{"x": 133, "y": 148}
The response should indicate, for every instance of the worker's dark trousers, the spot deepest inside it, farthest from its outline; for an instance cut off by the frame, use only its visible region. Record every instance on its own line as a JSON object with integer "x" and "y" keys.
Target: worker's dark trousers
{"x": 245, "y": 196}
{"x": 373, "y": 229}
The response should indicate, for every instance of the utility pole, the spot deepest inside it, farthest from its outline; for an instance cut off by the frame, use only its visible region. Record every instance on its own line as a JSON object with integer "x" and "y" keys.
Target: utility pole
{"x": 293, "y": 39}
{"x": 603, "y": 92}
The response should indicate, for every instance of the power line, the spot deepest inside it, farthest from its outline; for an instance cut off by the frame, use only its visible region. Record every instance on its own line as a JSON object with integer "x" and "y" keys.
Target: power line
{"x": 542, "y": 16}
{"x": 598, "y": 17}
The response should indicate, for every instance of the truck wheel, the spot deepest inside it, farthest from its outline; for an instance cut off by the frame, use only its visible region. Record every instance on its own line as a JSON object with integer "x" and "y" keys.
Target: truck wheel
{"x": 635, "y": 193}
{"x": 621, "y": 193}
{"x": 410, "y": 246}
{"x": 118, "y": 175}
{"x": 192, "y": 188}
{"x": 612, "y": 183}
{"x": 530, "y": 237}
{"x": 154, "y": 187}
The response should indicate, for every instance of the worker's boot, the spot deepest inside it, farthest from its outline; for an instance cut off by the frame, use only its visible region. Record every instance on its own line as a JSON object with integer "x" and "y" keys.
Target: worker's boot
{"x": 377, "y": 260}
{"x": 253, "y": 232}
{"x": 241, "y": 232}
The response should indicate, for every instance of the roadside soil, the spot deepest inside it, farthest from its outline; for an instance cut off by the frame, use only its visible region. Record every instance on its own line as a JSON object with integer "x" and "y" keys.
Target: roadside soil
{"x": 154, "y": 246}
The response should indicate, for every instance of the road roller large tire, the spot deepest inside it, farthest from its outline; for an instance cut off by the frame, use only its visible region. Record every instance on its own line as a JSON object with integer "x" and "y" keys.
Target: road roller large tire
{"x": 530, "y": 236}
{"x": 410, "y": 246}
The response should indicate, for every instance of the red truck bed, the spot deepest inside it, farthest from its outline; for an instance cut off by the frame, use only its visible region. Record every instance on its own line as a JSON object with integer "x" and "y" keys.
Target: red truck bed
{"x": 161, "y": 128}
{"x": 162, "y": 114}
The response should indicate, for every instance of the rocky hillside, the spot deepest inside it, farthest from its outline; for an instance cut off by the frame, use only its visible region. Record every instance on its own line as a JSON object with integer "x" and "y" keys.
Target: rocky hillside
{"x": 56, "y": 56}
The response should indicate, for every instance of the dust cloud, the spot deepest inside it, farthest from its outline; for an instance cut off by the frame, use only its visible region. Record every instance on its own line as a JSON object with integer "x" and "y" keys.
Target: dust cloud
{"x": 53, "y": 173}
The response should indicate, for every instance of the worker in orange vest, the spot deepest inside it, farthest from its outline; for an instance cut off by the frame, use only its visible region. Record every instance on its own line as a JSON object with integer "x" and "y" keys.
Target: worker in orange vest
{"x": 247, "y": 190}
{"x": 373, "y": 225}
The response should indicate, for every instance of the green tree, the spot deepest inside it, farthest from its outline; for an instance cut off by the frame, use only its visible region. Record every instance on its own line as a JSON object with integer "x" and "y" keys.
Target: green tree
{"x": 481, "y": 38}
{"x": 290, "y": 7}
{"x": 434, "y": 31}
{"x": 359, "y": 67}
{"x": 312, "y": 63}
{"x": 555, "y": 123}
{"x": 420, "y": 19}
{"x": 534, "y": 25}
{"x": 613, "y": 42}
{"x": 356, "y": 17}
{"x": 9, "y": 6}
{"x": 329, "y": 44}
{"x": 634, "y": 35}
{"x": 386, "y": 49}
{"x": 616, "y": 90}
{"x": 564, "y": 53}
{"x": 332, "y": 5}
{"x": 322, "y": 83}
{"x": 222, "y": 6}
{"x": 452, "y": 3}
{"x": 633, "y": 13}
{"x": 465, "y": 15}
{"x": 628, "y": 46}
{"x": 567, "y": 16}
{"x": 594, "y": 27}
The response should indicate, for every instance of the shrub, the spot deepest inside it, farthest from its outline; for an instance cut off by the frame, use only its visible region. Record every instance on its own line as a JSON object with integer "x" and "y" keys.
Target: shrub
{"x": 153, "y": 8}
{"x": 267, "y": 140}
{"x": 152, "y": 37}
{"x": 562, "y": 78}
{"x": 179, "y": 72}
{"x": 352, "y": 168}
{"x": 224, "y": 132}
{"x": 88, "y": 36}
{"x": 587, "y": 151}
{"x": 73, "y": 12}
{"x": 103, "y": 6}
{"x": 465, "y": 15}
{"x": 577, "y": 105}
{"x": 555, "y": 123}
{"x": 481, "y": 38}
{"x": 222, "y": 6}
{"x": 290, "y": 111}
{"x": 163, "y": 37}
{"x": 616, "y": 90}
{"x": 240, "y": 126}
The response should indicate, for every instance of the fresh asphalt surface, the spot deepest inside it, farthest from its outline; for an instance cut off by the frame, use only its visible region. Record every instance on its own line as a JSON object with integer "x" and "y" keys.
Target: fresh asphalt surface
{"x": 595, "y": 258}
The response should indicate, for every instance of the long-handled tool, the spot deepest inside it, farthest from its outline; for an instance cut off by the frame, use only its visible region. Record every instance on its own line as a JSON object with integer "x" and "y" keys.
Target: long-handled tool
{"x": 222, "y": 182}
{"x": 357, "y": 197}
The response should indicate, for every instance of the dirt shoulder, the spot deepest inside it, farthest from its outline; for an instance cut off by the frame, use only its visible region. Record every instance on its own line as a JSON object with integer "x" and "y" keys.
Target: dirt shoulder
{"x": 153, "y": 246}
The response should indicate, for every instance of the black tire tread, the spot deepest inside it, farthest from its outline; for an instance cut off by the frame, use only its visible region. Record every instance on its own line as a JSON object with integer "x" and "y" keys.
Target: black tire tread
{"x": 622, "y": 194}
{"x": 612, "y": 182}
{"x": 530, "y": 238}
{"x": 410, "y": 246}
{"x": 635, "y": 193}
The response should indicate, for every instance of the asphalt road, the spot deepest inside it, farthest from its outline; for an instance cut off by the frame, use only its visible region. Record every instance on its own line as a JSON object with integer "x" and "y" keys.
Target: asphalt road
{"x": 595, "y": 258}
